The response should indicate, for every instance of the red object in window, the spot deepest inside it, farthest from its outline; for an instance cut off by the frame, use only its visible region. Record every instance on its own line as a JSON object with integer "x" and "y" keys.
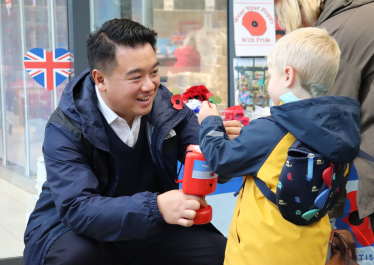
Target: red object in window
{"x": 197, "y": 92}
{"x": 254, "y": 23}
{"x": 177, "y": 102}
{"x": 235, "y": 113}
{"x": 187, "y": 56}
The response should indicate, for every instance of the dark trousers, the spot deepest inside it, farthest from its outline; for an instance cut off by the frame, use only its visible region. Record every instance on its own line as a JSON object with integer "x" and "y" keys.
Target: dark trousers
{"x": 255, "y": 96}
{"x": 173, "y": 244}
{"x": 372, "y": 221}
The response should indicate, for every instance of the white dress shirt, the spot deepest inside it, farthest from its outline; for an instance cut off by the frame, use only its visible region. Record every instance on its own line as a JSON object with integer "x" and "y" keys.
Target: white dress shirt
{"x": 120, "y": 126}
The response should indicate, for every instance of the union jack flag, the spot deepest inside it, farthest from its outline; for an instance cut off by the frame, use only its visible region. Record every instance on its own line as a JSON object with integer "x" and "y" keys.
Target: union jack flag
{"x": 8, "y": 4}
{"x": 178, "y": 38}
{"x": 49, "y": 69}
{"x": 34, "y": 3}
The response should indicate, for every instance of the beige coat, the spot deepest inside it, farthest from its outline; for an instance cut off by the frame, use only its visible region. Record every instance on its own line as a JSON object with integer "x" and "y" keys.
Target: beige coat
{"x": 351, "y": 22}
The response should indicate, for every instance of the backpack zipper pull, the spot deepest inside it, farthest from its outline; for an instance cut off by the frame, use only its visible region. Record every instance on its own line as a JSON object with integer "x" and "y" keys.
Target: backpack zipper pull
{"x": 310, "y": 167}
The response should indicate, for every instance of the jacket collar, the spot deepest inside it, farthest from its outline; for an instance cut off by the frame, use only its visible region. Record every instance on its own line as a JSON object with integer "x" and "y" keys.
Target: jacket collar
{"x": 79, "y": 102}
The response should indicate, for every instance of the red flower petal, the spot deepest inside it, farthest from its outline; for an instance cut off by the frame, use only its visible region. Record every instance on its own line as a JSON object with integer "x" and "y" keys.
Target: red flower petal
{"x": 200, "y": 92}
{"x": 194, "y": 89}
{"x": 177, "y": 102}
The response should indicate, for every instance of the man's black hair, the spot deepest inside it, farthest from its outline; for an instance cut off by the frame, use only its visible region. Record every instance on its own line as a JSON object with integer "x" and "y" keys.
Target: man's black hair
{"x": 102, "y": 43}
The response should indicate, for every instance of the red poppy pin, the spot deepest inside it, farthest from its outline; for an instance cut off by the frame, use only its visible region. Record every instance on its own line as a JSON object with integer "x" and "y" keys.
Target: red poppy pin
{"x": 177, "y": 100}
{"x": 254, "y": 23}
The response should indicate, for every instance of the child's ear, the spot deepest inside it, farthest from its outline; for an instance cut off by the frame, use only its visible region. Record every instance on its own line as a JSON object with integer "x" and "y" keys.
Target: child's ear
{"x": 290, "y": 76}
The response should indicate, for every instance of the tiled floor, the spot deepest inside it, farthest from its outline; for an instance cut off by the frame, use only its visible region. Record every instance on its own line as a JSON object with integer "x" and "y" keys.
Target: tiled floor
{"x": 15, "y": 208}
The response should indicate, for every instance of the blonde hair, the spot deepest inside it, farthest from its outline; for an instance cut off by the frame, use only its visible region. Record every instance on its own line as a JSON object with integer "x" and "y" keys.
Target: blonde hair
{"x": 293, "y": 14}
{"x": 313, "y": 54}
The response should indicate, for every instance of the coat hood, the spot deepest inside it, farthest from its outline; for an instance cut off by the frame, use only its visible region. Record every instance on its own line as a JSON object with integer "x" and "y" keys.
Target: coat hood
{"x": 334, "y": 7}
{"x": 330, "y": 125}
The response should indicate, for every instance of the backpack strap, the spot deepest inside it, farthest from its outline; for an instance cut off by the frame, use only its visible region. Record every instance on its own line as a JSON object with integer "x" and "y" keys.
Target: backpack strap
{"x": 365, "y": 155}
{"x": 266, "y": 191}
{"x": 261, "y": 185}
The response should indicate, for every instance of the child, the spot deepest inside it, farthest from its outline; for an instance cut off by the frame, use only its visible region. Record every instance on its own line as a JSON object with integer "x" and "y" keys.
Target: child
{"x": 244, "y": 97}
{"x": 302, "y": 68}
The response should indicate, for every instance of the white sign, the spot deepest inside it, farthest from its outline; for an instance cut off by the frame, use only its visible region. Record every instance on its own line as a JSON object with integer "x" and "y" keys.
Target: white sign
{"x": 210, "y": 5}
{"x": 168, "y": 4}
{"x": 254, "y": 27}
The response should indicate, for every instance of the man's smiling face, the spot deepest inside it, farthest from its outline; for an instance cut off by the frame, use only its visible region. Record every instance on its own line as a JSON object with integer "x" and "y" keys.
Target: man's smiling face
{"x": 131, "y": 87}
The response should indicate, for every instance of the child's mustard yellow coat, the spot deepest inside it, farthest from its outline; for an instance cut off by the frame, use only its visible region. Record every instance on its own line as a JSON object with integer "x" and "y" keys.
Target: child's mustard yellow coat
{"x": 258, "y": 234}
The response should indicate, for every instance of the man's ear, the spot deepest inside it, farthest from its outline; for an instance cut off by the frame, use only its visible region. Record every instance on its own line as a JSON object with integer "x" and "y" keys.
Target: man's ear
{"x": 290, "y": 76}
{"x": 99, "y": 79}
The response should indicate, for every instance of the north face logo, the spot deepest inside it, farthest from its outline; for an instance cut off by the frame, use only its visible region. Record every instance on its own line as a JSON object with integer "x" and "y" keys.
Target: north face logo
{"x": 172, "y": 133}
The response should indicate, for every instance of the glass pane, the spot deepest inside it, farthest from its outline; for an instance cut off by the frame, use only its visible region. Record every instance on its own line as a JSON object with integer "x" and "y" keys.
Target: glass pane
{"x": 192, "y": 46}
{"x": 39, "y": 99}
{"x": 13, "y": 82}
{"x": 61, "y": 35}
{"x": 103, "y": 10}
{"x": 192, "y": 42}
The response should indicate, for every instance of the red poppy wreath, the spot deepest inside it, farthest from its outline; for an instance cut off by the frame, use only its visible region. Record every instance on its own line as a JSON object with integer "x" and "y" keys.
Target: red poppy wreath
{"x": 200, "y": 93}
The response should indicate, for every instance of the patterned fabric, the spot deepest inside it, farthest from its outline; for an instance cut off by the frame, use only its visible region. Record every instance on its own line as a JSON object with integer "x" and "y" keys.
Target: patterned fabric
{"x": 244, "y": 97}
{"x": 309, "y": 185}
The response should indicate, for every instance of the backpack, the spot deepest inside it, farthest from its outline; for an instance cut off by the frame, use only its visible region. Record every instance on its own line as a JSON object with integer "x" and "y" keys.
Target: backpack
{"x": 309, "y": 184}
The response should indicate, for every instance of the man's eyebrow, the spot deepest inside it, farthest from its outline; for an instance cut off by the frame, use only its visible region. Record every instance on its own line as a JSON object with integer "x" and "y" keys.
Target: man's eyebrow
{"x": 136, "y": 70}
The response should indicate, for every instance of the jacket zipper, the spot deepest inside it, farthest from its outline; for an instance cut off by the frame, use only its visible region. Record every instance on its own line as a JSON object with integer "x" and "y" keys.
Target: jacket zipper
{"x": 175, "y": 123}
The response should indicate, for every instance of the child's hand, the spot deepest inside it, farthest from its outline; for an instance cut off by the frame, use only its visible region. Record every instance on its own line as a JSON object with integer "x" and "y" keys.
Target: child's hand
{"x": 206, "y": 111}
{"x": 233, "y": 128}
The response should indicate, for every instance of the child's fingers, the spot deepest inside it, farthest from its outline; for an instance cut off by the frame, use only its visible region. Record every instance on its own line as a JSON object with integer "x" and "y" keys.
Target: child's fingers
{"x": 204, "y": 105}
{"x": 213, "y": 107}
{"x": 233, "y": 123}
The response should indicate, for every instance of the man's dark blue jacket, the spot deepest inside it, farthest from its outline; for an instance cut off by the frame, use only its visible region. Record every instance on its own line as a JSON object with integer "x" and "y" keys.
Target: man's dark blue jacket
{"x": 81, "y": 172}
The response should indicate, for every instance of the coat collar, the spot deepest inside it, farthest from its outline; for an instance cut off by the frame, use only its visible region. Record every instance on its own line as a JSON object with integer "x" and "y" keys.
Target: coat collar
{"x": 79, "y": 102}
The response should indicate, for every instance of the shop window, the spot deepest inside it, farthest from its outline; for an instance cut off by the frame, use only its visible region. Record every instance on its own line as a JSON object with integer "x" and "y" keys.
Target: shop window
{"x": 28, "y": 105}
{"x": 192, "y": 41}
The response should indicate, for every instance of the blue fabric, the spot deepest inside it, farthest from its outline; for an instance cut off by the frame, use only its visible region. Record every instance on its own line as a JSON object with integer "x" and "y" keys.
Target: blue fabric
{"x": 245, "y": 154}
{"x": 138, "y": 163}
{"x": 172, "y": 245}
{"x": 330, "y": 125}
{"x": 265, "y": 190}
{"x": 71, "y": 200}
{"x": 288, "y": 98}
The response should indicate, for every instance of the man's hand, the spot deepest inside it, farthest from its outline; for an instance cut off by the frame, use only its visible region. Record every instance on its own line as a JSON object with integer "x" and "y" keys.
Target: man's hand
{"x": 206, "y": 111}
{"x": 179, "y": 208}
{"x": 232, "y": 128}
